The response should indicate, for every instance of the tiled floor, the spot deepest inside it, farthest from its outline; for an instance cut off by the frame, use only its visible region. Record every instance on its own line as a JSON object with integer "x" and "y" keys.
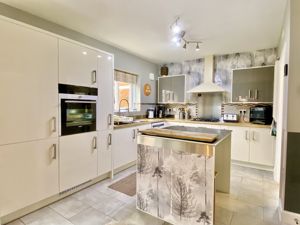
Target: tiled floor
{"x": 253, "y": 201}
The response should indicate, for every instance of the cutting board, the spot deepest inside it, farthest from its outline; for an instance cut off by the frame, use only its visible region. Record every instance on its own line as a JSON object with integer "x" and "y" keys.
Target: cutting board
{"x": 185, "y": 135}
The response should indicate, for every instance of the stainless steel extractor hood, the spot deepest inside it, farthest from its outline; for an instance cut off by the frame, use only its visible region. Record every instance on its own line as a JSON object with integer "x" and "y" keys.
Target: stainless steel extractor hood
{"x": 208, "y": 86}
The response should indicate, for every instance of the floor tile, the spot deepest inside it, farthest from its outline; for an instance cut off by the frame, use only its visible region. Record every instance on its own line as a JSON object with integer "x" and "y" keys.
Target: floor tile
{"x": 69, "y": 207}
{"x": 110, "y": 206}
{"x": 223, "y": 216}
{"x": 90, "y": 216}
{"x": 45, "y": 216}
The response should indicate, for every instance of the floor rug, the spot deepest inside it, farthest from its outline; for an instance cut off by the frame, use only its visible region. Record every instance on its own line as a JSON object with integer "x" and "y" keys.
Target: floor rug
{"x": 126, "y": 185}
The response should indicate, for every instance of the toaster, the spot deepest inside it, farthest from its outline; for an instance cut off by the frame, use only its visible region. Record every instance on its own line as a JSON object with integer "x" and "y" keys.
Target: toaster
{"x": 230, "y": 117}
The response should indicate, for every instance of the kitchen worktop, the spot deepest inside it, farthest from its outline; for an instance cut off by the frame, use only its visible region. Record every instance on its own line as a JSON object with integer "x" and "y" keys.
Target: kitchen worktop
{"x": 201, "y": 134}
{"x": 149, "y": 121}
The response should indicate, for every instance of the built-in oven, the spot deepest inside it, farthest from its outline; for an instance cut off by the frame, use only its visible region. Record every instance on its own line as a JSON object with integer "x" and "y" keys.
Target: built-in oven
{"x": 78, "y": 109}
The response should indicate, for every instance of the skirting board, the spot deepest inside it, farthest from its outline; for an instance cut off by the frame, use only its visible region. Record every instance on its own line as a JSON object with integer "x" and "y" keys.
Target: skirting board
{"x": 253, "y": 165}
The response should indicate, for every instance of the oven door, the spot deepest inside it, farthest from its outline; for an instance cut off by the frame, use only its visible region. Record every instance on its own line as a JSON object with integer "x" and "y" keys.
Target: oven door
{"x": 77, "y": 116}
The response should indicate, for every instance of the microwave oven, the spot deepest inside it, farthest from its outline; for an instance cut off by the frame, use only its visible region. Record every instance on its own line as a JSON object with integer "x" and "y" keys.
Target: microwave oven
{"x": 261, "y": 115}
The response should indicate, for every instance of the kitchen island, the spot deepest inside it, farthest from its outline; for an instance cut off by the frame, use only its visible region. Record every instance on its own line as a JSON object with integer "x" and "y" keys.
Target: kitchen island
{"x": 178, "y": 170}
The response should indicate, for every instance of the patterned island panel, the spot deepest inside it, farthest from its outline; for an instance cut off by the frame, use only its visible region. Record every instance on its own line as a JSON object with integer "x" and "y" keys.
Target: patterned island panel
{"x": 176, "y": 187}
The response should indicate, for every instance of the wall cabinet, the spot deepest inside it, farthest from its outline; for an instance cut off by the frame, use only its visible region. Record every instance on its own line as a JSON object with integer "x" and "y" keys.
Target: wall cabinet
{"x": 124, "y": 145}
{"x": 104, "y": 152}
{"x": 78, "y": 159}
{"x": 29, "y": 173}
{"x": 77, "y": 64}
{"x": 105, "y": 102}
{"x": 253, "y": 84}
{"x": 28, "y": 78}
{"x": 173, "y": 89}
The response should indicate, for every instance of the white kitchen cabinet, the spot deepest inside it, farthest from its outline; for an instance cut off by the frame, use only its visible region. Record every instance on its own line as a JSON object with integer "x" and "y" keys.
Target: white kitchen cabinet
{"x": 124, "y": 145}
{"x": 253, "y": 145}
{"x": 105, "y": 106}
{"x": 78, "y": 159}
{"x": 261, "y": 147}
{"x": 28, "y": 172}
{"x": 104, "y": 152}
{"x": 77, "y": 64}
{"x": 239, "y": 143}
{"x": 29, "y": 91}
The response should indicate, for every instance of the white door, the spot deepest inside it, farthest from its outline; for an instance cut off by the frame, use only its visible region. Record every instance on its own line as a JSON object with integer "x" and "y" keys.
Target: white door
{"x": 28, "y": 172}
{"x": 77, "y": 64}
{"x": 239, "y": 143}
{"x": 78, "y": 159}
{"x": 124, "y": 146}
{"x": 105, "y": 104}
{"x": 261, "y": 147}
{"x": 104, "y": 152}
{"x": 28, "y": 78}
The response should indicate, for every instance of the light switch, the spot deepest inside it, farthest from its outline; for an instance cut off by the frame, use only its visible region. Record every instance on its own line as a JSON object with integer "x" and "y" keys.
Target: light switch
{"x": 151, "y": 76}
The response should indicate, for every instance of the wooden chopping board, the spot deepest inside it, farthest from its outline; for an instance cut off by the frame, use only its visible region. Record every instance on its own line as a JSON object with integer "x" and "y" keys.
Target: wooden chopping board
{"x": 186, "y": 135}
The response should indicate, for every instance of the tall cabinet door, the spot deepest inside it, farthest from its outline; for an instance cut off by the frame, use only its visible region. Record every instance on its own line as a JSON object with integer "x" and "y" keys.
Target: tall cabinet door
{"x": 78, "y": 159}
{"x": 261, "y": 147}
{"x": 29, "y": 92}
{"x": 28, "y": 172}
{"x": 104, "y": 152}
{"x": 240, "y": 143}
{"x": 77, "y": 64}
{"x": 105, "y": 104}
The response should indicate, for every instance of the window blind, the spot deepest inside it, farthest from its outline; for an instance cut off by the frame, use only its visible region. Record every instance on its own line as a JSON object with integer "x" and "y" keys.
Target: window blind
{"x": 122, "y": 76}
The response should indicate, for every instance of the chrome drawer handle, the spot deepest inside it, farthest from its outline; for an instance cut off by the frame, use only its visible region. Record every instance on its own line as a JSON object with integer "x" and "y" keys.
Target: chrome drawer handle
{"x": 54, "y": 151}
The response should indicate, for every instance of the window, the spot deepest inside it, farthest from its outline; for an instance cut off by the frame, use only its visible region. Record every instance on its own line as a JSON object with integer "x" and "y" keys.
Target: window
{"x": 126, "y": 92}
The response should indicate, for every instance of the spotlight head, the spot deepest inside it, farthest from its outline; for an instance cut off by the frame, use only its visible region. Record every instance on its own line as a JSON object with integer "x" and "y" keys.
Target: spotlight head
{"x": 184, "y": 46}
{"x": 176, "y": 28}
{"x": 197, "y": 47}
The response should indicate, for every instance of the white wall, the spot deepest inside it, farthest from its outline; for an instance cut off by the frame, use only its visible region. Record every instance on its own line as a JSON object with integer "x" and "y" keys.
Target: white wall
{"x": 123, "y": 60}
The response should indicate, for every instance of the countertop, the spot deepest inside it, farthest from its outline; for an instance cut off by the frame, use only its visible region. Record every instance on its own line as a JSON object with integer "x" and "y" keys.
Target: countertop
{"x": 149, "y": 121}
{"x": 198, "y": 134}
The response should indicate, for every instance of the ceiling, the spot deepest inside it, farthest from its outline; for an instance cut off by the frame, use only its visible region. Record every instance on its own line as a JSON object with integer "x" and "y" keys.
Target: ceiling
{"x": 142, "y": 27}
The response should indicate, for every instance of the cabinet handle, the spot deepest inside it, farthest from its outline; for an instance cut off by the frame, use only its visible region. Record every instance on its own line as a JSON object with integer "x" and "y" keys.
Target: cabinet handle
{"x": 133, "y": 134}
{"x": 253, "y": 136}
{"x": 109, "y": 139}
{"x": 109, "y": 119}
{"x": 256, "y": 94}
{"x": 246, "y": 135}
{"x": 249, "y": 93}
{"x": 54, "y": 151}
{"x": 94, "y": 76}
{"x": 54, "y": 124}
{"x": 94, "y": 143}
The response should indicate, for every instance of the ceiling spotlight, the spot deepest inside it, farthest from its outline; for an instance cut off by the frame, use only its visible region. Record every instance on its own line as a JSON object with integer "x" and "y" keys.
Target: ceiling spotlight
{"x": 176, "y": 39}
{"x": 175, "y": 27}
{"x": 197, "y": 47}
{"x": 184, "y": 46}
{"x": 178, "y": 43}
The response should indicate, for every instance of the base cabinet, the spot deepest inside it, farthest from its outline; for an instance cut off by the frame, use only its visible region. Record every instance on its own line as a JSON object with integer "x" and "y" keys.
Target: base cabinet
{"x": 240, "y": 143}
{"x": 104, "y": 152}
{"x": 261, "y": 147}
{"x": 124, "y": 145}
{"x": 28, "y": 173}
{"x": 78, "y": 159}
{"x": 253, "y": 145}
